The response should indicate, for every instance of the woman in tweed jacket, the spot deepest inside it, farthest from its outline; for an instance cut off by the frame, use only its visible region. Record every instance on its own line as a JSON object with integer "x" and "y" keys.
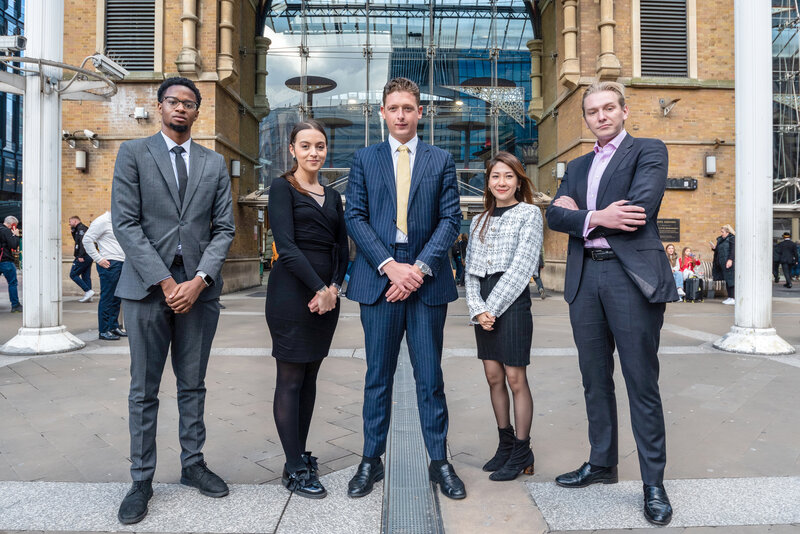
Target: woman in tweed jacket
{"x": 502, "y": 255}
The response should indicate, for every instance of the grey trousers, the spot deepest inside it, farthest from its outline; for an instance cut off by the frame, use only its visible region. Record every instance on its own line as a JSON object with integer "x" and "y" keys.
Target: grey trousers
{"x": 154, "y": 329}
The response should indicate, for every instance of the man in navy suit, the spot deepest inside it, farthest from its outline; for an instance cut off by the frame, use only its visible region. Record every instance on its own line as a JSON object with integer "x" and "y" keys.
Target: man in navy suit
{"x": 617, "y": 283}
{"x": 403, "y": 214}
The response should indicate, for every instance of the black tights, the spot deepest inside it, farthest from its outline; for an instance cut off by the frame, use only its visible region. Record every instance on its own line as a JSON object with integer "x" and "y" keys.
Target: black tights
{"x": 293, "y": 406}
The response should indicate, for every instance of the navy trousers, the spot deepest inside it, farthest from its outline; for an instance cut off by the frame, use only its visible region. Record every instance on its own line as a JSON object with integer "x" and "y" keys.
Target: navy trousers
{"x": 81, "y": 273}
{"x": 384, "y": 324}
{"x": 108, "y": 308}
{"x": 9, "y": 270}
{"x": 608, "y": 310}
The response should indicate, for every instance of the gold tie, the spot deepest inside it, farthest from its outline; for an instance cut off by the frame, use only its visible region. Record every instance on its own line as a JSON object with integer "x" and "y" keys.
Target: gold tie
{"x": 403, "y": 187}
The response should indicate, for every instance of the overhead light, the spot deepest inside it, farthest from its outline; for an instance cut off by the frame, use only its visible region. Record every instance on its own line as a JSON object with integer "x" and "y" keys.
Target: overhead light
{"x": 561, "y": 170}
{"x": 710, "y": 167}
{"x": 108, "y": 66}
{"x": 236, "y": 168}
{"x": 459, "y": 102}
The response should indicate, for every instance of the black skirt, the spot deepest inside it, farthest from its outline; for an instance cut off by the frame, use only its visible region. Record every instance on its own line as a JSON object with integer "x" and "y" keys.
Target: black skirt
{"x": 298, "y": 335}
{"x": 510, "y": 341}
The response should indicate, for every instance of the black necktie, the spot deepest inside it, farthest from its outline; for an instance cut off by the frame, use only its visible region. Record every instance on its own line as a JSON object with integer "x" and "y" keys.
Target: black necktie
{"x": 180, "y": 166}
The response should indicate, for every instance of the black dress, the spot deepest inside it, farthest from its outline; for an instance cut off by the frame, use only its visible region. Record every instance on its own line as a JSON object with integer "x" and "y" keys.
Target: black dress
{"x": 312, "y": 254}
{"x": 509, "y": 341}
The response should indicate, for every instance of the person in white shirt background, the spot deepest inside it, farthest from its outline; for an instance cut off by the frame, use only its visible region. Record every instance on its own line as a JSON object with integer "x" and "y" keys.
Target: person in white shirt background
{"x": 100, "y": 243}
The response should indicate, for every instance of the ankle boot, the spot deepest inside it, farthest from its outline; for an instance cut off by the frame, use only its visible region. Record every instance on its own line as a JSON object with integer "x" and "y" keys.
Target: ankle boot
{"x": 521, "y": 461}
{"x": 503, "y": 449}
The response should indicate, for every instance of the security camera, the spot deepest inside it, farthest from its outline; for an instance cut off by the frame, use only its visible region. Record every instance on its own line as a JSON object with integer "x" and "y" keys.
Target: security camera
{"x": 108, "y": 66}
{"x": 65, "y": 134}
{"x": 90, "y": 134}
{"x": 12, "y": 43}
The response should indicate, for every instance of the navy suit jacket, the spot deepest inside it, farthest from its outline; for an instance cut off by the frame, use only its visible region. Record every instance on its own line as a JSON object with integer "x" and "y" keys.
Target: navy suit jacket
{"x": 638, "y": 173}
{"x": 434, "y": 219}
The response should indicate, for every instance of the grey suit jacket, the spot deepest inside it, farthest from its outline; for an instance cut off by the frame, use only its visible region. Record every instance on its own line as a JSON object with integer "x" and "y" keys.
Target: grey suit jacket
{"x": 149, "y": 220}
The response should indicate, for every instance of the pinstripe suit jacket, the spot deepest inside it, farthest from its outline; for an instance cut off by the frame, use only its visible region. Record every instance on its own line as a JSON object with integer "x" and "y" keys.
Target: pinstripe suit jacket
{"x": 434, "y": 218}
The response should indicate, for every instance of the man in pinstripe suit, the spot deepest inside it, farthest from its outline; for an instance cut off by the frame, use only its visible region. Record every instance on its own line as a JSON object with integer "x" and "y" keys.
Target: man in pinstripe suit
{"x": 403, "y": 214}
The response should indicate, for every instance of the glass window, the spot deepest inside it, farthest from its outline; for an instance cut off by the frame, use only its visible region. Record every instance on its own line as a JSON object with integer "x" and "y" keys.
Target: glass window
{"x": 354, "y": 49}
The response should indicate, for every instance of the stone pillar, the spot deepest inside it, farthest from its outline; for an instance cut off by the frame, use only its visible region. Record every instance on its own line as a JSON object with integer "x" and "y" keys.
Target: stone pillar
{"x": 261, "y": 101}
{"x": 536, "y": 108}
{"x": 608, "y": 66}
{"x": 226, "y": 68}
{"x": 752, "y": 332}
{"x": 42, "y": 331}
{"x": 570, "y": 68}
{"x": 188, "y": 60}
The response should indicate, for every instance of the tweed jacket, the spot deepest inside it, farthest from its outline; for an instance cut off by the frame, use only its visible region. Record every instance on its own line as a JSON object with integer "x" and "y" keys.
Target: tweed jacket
{"x": 511, "y": 245}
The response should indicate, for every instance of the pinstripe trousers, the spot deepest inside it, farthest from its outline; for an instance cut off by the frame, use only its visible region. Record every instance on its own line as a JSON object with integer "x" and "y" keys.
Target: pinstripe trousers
{"x": 384, "y": 325}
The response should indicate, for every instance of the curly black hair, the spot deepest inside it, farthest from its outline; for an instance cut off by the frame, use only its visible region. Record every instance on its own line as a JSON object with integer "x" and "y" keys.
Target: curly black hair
{"x": 177, "y": 80}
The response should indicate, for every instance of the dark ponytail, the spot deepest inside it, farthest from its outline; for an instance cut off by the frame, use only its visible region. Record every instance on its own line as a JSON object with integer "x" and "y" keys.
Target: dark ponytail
{"x": 308, "y": 124}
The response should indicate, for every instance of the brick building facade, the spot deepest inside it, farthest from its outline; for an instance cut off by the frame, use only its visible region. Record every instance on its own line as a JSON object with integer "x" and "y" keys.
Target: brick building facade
{"x": 212, "y": 42}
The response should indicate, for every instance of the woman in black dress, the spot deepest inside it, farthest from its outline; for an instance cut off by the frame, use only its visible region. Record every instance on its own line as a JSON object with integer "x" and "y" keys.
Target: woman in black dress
{"x": 502, "y": 254}
{"x": 302, "y": 306}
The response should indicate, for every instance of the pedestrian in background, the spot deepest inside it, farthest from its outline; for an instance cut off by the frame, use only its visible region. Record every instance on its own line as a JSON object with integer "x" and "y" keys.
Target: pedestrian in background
{"x": 788, "y": 257}
{"x": 9, "y": 241}
{"x": 537, "y": 276}
{"x": 796, "y": 268}
{"x": 672, "y": 257}
{"x": 723, "y": 265}
{"x": 81, "y": 271}
{"x": 504, "y": 247}
{"x": 458, "y": 252}
{"x": 102, "y": 246}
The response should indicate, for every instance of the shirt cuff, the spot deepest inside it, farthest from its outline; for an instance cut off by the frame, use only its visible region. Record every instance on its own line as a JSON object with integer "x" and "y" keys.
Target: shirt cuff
{"x": 586, "y": 228}
{"x": 424, "y": 267}
{"x": 381, "y": 266}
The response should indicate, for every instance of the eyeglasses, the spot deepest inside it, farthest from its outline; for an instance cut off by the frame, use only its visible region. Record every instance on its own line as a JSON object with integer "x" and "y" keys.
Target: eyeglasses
{"x": 188, "y": 105}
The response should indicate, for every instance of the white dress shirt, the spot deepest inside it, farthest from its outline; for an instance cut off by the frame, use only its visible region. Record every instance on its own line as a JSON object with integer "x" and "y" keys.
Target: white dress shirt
{"x": 107, "y": 247}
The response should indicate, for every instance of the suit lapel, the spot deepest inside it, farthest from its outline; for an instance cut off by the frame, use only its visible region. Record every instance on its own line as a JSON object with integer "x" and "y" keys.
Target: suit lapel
{"x": 420, "y": 164}
{"x": 158, "y": 149}
{"x": 197, "y": 162}
{"x": 616, "y": 159}
{"x": 387, "y": 170}
{"x": 582, "y": 183}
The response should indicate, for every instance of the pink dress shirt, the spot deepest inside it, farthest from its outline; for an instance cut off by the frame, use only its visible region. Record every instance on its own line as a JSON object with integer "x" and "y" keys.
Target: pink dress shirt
{"x": 602, "y": 157}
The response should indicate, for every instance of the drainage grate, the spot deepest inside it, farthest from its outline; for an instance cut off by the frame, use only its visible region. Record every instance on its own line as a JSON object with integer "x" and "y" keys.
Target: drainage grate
{"x": 410, "y": 505}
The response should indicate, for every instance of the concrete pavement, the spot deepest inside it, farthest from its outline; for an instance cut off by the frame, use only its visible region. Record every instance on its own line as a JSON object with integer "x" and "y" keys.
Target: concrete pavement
{"x": 732, "y": 432}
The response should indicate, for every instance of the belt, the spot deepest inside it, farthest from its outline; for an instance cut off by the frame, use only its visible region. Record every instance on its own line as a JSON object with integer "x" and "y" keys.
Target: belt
{"x": 178, "y": 260}
{"x": 599, "y": 254}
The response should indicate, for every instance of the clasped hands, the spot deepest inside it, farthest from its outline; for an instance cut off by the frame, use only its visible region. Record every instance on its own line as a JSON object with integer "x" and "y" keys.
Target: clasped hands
{"x": 181, "y": 297}
{"x": 618, "y": 215}
{"x": 404, "y": 278}
{"x": 324, "y": 301}
{"x": 486, "y": 320}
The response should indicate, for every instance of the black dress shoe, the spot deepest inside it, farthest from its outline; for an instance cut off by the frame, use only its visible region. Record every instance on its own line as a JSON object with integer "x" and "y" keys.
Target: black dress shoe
{"x": 201, "y": 477}
{"x": 304, "y": 482}
{"x": 657, "y": 508}
{"x": 448, "y": 481}
{"x": 586, "y": 475}
{"x": 109, "y": 336}
{"x": 120, "y": 332}
{"x": 367, "y": 474}
{"x": 134, "y": 506}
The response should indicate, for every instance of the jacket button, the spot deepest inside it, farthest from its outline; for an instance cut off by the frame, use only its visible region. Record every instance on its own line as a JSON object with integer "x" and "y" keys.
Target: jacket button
{"x": 489, "y": 262}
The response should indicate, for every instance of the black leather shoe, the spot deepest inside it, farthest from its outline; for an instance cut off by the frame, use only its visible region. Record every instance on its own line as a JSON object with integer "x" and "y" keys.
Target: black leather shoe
{"x": 304, "y": 482}
{"x": 109, "y": 336}
{"x": 201, "y": 477}
{"x": 657, "y": 508}
{"x": 134, "y": 506}
{"x": 367, "y": 474}
{"x": 586, "y": 475}
{"x": 449, "y": 483}
{"x": 120, "y": 332}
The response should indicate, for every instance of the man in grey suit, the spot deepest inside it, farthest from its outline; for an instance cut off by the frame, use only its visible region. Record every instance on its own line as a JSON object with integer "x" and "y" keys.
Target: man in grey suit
{"x": 172, "y": 214}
